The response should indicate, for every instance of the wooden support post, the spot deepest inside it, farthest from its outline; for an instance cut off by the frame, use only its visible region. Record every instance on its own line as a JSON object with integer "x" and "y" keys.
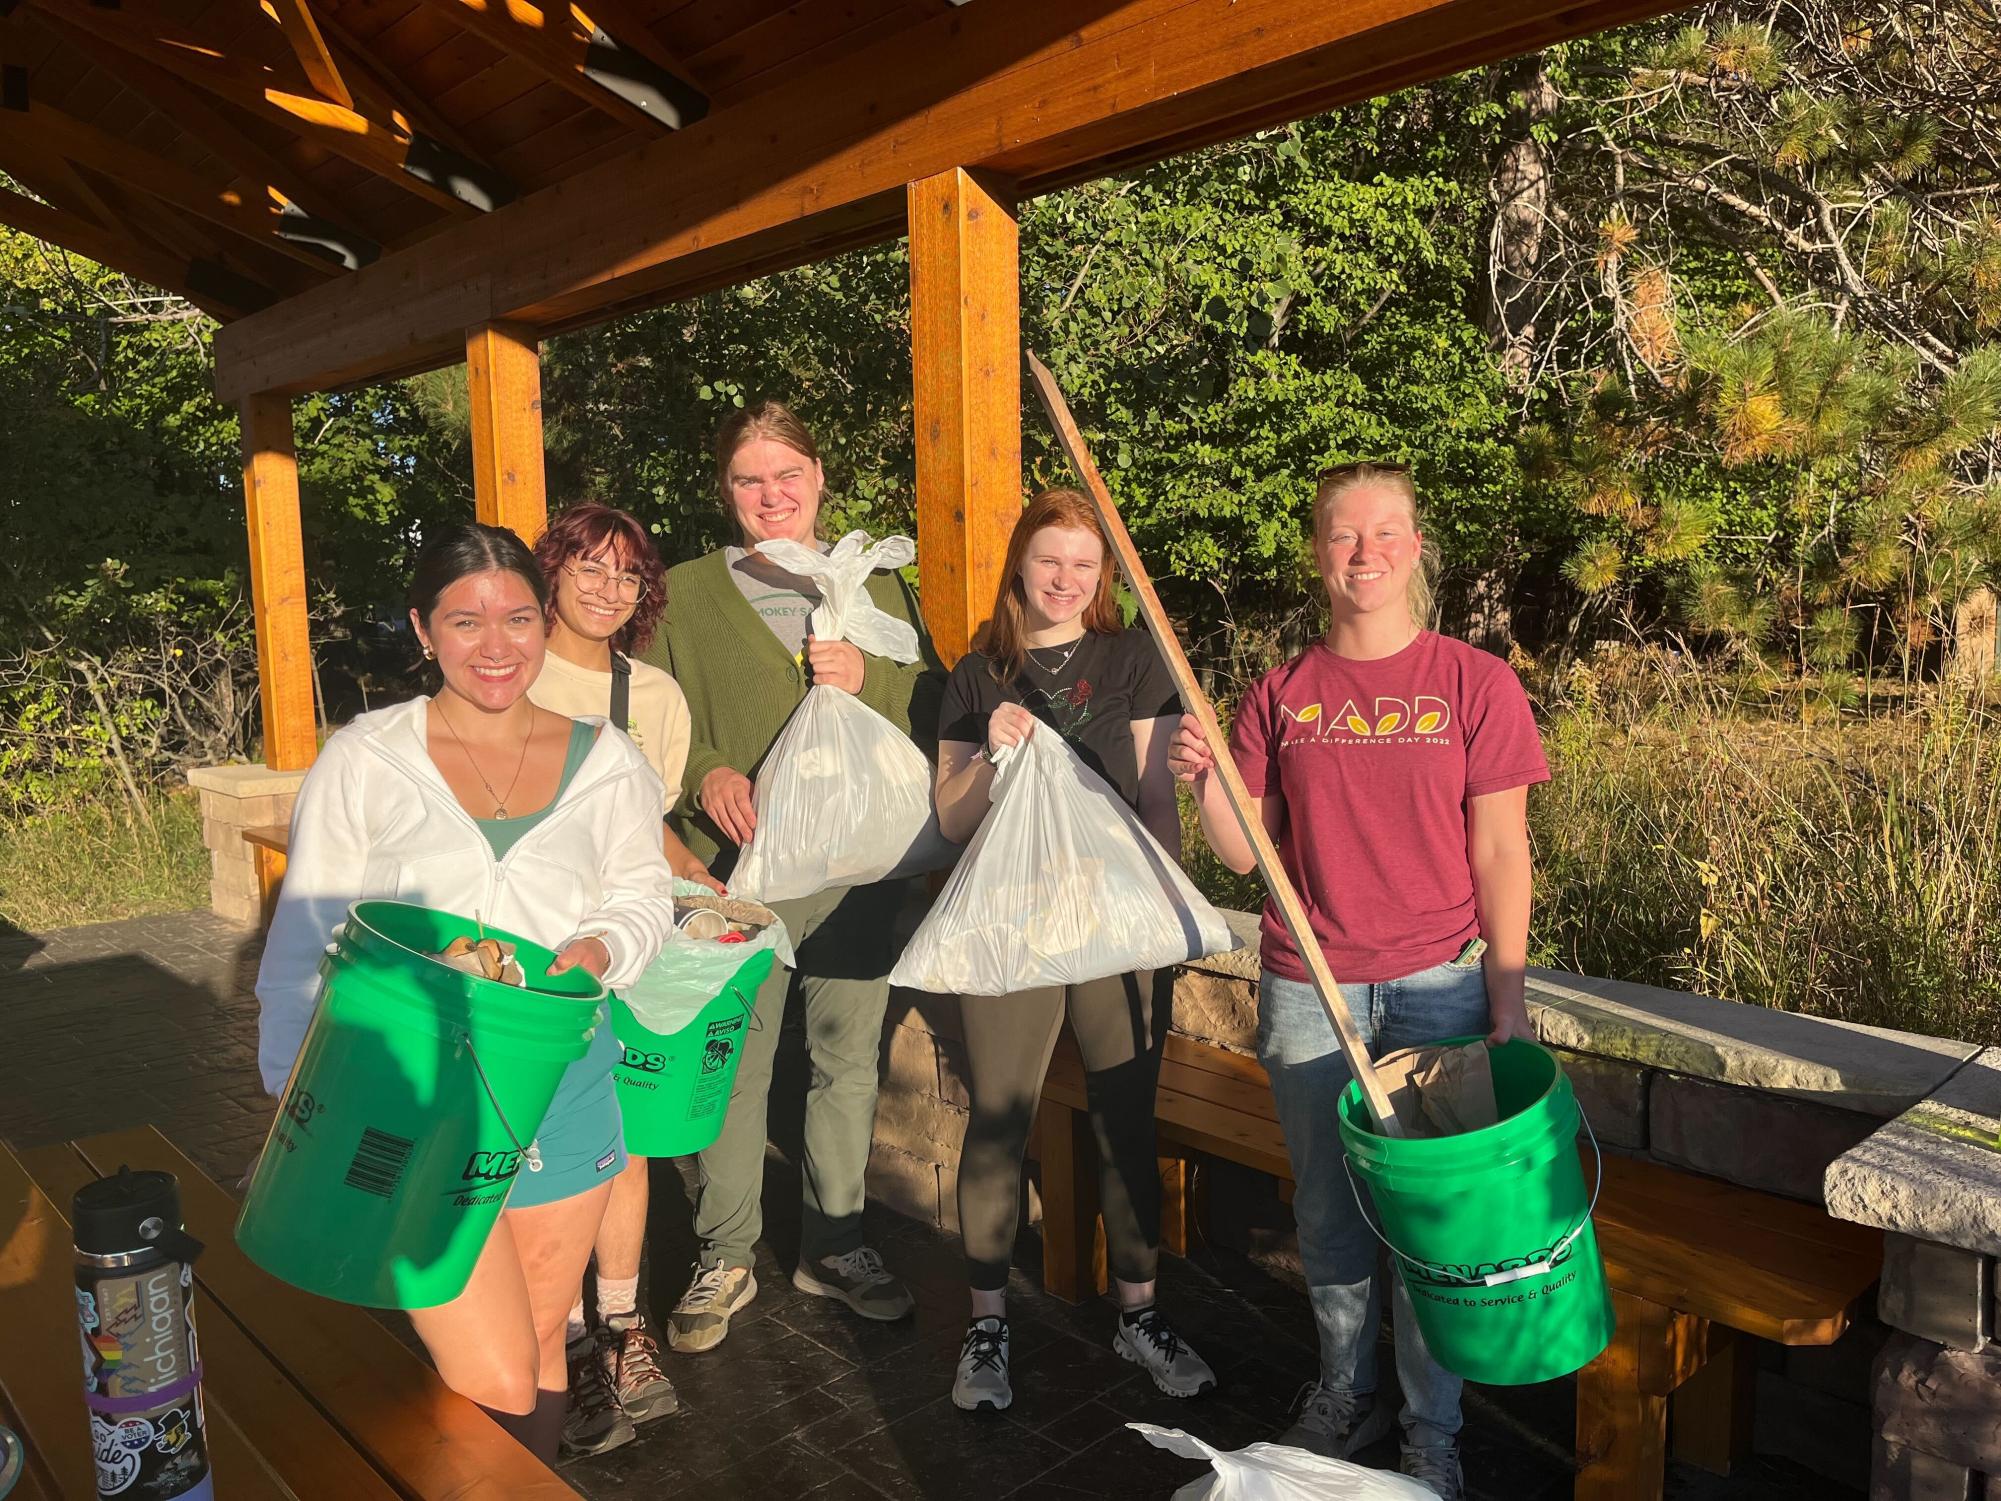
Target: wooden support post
{"x": 504, "y": 372}
{"x": 965, "y": 348}
{"x": 1713, "y": 1410}
{"x": 1176, "y": 1206}
{"x": 1622, "y": 1399}
{"x": 1073, "y": 1233}
{"x": 278, "y": 583}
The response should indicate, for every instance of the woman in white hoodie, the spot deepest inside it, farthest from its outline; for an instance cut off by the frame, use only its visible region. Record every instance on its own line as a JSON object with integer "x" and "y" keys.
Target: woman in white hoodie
{"x": 477, "y": 802}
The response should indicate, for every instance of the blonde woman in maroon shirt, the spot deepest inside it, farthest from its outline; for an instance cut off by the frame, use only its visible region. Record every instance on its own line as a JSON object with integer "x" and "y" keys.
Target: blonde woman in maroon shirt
{"x": 1391, "y": 766}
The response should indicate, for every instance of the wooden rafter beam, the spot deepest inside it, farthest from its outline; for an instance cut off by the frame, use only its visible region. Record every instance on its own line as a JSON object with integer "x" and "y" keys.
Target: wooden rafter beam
{"x": 564, "y": 44}
{"x": 623, "y": 20}
{"x": 260, "y": 172}
{"x": 273, "y": 223}
{"x": 397, "y": 153}
{"x": 215, "y": 290}
{"x": 57, "y": 182}
{"x": 1041, "y": 91}
{"x": 302, "y": 31}
{"x": 381, "y": 88}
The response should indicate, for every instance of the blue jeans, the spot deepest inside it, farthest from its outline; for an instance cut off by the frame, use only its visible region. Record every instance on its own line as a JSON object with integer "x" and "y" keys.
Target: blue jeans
{"x": 1297, "y": 1046}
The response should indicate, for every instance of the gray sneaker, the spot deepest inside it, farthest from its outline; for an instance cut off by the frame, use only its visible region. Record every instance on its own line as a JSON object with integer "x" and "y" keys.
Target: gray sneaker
{"x": 702, "y": 1317}
{"x": 982, "y": 1377}
{"x": 1334, "y": 1424}
{"x": 1149, "y": 1343}
{"x": 859, "y": 1280}
{"x": 1436, "y": 1465}
{"x": 632, "y": 1365}
{"x": 593, "y": 1422}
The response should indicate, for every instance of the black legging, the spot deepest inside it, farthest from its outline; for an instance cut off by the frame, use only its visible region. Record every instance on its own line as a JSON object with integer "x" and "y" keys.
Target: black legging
{"x": 1121, "y": 1026}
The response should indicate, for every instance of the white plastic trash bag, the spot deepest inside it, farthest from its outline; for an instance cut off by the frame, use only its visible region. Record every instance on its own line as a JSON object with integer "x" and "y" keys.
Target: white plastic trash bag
{"x": 690, "y": 972}
{"x": 843, "y": 798}
{"x": 1061, "y": 884}
{"x": 1279, "y": 1472}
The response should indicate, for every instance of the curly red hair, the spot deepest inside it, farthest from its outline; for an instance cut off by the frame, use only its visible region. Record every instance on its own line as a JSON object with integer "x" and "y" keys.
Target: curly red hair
{"x": 593, "y": 531}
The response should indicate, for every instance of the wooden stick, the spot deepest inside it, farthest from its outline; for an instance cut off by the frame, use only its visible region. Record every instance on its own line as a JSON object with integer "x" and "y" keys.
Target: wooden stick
{"x": 1290, "y": 909}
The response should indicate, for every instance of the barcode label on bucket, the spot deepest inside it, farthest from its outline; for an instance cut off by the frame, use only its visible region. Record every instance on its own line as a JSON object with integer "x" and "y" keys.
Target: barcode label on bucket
{"x": 378, "y": 1163}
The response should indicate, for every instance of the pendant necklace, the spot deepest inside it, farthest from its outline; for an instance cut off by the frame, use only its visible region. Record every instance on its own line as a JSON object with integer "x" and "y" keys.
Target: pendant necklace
{"x": 1053, "y": 671}
{"x": 499, "y": 802}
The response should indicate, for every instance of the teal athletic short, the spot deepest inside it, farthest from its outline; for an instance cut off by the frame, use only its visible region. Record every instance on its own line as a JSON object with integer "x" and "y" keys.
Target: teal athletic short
{"x": 582, "y": 1141}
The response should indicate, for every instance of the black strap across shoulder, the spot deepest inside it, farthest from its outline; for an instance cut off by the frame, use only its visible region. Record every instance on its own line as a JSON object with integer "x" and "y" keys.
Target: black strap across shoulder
{"x": 621, "y": 690}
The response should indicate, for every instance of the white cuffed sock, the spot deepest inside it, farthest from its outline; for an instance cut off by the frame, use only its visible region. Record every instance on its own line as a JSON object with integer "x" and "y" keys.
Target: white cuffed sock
{"x": 617, "y": 1298}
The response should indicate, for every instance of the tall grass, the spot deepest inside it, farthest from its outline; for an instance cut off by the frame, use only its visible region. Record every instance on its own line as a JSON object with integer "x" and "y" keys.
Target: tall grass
{"x": 1794, "y": 855}
{"x": 87, "y": 859}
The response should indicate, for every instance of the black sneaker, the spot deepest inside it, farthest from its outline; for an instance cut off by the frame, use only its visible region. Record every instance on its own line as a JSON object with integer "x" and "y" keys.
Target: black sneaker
{"x": 593, "y": 1423}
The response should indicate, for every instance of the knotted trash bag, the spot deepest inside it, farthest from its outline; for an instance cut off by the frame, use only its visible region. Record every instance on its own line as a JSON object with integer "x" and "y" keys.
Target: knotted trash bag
{"x": 844, "y": 797}
{"x": 1279, "y": 1472}
{"x": 1061, "y": 884}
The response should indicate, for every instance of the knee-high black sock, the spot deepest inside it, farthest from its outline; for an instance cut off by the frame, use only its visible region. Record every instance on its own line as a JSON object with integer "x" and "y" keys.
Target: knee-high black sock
{"x": 539, "y": 1432}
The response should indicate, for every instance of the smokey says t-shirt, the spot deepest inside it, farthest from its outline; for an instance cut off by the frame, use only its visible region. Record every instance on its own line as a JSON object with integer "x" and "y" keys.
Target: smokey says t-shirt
{"x": 1376, "y": 761}
{"x": 1089, "y": 696}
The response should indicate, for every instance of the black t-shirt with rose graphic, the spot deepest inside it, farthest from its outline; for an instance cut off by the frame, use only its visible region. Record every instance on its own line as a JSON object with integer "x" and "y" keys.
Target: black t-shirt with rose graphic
{"x": 1091, "y": 699}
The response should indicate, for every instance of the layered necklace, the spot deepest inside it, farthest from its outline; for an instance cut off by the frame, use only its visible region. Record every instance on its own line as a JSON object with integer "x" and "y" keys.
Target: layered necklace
{"x": 499, "y": 798}
{"x": 1048, "y": 671}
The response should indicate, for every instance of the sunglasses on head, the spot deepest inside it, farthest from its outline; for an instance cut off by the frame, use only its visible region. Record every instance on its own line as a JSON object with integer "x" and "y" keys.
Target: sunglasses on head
{"x": 1354, "y": 467}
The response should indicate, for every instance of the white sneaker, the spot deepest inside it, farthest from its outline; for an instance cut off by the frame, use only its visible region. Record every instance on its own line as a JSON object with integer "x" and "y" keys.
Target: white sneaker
{"x": 1334, "y": 1424}
{"x": 1149, "y": 1343}
{"x": 982, "y": 1376}
{"x": 702, "y": 1318}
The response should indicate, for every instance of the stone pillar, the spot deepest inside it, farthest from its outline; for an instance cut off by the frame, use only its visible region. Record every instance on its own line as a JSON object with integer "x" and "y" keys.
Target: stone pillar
{"x": 1932, "y": 1180}
{"x": 235, "y": 800}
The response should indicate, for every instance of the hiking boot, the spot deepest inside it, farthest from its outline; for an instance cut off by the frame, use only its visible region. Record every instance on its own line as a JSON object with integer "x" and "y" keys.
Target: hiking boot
{"x": 982, "y": 1377}
{"x": 632, "y": 1365}
{"x": 1335, "y": 1425}
{"x": 1149, "y": 1343}
{"x": 859, "y": 1280}
{"x": 702, "y": 1317}
{"x": 1436, "y": 1465}
{"x": 593, "y": 1422}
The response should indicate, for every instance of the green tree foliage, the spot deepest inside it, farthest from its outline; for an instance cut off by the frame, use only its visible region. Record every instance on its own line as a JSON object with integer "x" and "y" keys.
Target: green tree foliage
{"x": 1776, "y": 257}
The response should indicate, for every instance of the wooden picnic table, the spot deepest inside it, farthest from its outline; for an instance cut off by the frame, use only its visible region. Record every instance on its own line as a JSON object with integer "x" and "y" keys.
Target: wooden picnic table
{"x": 305, "y": 1398}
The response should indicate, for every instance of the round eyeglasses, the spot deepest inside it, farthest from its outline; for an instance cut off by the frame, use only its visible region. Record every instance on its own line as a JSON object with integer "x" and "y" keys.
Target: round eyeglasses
{"x": 593, "y": 578}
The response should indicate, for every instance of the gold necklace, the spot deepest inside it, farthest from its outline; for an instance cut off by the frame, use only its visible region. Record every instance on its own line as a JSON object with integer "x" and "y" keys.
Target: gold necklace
{"x": 499, "y": 802}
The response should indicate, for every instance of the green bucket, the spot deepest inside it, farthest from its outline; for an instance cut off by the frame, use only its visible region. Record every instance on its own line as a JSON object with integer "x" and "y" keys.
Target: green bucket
{"x": 1492, "y": 1228}
{"x": 412, "y": 1105}
{"x": 674, "y": 1088}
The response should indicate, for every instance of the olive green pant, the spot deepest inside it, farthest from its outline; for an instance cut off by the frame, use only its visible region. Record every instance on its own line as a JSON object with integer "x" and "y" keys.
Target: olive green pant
{"x": 844, "y": 940}
{"x": 1121, "y": 1025}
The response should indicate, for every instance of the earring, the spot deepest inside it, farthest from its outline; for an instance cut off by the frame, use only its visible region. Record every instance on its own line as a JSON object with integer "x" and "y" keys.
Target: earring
{"x": 429, "y": 655}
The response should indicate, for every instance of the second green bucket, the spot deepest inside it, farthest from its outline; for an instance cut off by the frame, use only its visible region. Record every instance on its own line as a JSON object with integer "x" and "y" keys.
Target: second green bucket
{"x": 1492, "y": 1228}
{"x": 674, "y": 1089}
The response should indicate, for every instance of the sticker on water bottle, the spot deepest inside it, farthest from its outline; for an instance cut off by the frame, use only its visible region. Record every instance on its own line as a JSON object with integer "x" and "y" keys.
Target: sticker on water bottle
{"x": 117, "y": 1466}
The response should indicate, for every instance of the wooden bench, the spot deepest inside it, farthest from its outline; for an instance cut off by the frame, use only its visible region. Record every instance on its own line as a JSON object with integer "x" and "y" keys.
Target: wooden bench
{"x": 304, "y": 1397}
{"x": 269, "y": 842}
{"x": 1697, "y": 1266}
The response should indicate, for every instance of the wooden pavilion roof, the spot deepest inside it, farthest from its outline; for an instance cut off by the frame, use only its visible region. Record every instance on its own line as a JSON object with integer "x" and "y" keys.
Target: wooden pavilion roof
{"x": 349, "y": 184}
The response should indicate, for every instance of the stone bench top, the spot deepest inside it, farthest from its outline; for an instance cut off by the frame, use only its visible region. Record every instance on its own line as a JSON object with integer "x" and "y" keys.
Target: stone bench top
{"x": 1935, "y": 1171}
{"x": 1871, "y": 1070}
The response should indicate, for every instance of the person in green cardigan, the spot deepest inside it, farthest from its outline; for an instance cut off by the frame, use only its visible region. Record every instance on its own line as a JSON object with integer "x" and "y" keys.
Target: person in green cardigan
{"x": 736, "y": 637}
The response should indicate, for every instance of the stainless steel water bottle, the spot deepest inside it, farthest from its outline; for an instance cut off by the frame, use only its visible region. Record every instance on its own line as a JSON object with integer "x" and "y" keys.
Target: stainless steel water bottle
{"x": 141, "y": 1362}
